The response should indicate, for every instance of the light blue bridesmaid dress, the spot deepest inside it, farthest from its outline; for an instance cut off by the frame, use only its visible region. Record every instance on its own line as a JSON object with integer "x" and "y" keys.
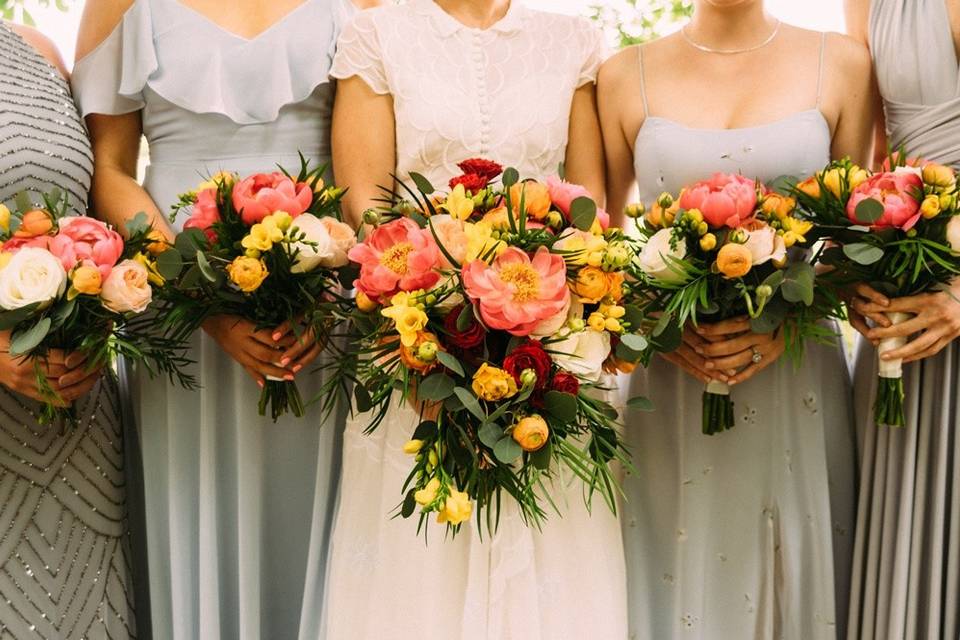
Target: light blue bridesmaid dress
{"x": 739, "y": 535}
{"x": 237, "y": 508}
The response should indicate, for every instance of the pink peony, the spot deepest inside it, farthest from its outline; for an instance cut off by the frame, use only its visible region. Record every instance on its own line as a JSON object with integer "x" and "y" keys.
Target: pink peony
{"x": 205, "y": 214}
{"x": 724, "y": 200}
{"x": 563, "y": 193}
{"x": 81, "y": 239}
{"x": 397, "y": 256}
{"x": 260, "y": 195}
{"x": 897, "y": 192}
{"x": 517, "y": 293}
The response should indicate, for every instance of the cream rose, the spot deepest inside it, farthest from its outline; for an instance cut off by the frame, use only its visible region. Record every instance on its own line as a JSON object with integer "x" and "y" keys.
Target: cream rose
{"x": 582, "y": 353}
{"x": 343, "y": 239}
{"x": 656, "y": 252}
{"x": 316, "y": 247}
{"x": 31, "y": 276}
{"x": 765, "y": 245}
{"x": 127, "y": 288}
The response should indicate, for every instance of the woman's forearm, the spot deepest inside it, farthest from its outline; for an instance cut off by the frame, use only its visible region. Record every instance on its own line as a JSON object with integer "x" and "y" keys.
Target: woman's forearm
{"x": 118, "y": 197}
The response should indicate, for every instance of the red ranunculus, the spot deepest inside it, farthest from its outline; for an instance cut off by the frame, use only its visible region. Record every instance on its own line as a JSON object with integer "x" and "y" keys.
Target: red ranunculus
{"x": 486, "y": 169}
{"x": 565, "y": 383}
{"x": 471, "y": 182}
{"x": 529, "y": 355}
{"x": 468, "y": 339}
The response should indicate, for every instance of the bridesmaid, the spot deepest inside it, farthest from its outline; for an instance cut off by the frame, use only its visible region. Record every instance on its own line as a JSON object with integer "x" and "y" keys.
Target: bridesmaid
{"x": 237, "y": 508}
{"x": 516, "y": 86}
{"x": 745, "y": 534}
{"x": 65, "y": 552}
{"x": 907, "y": 555}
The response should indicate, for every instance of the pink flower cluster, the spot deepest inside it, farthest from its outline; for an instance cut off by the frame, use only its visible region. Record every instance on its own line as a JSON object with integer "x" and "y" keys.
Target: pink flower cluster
{"x": 397, "y": 256}
{"x": 77, "y": 240}
{"x": 899, "y": 192}
{"x": 725, "y": 200}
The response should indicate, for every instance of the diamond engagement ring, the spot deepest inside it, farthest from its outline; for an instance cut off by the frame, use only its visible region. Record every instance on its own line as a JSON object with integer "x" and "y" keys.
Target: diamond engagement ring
{"x": 757, "y": 356}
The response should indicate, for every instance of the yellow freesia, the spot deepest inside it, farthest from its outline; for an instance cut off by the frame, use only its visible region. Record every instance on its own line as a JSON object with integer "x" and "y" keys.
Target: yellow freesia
{"x": 408, "y": 320}
{"x": 458, "y": 204}
{"x": 457, "y": 508}
{"x": 428, "y": 494}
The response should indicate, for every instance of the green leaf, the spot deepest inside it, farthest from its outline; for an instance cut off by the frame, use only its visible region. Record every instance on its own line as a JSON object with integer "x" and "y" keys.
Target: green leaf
{"x": 510, "y": 177}
{"x": 436, "y": 387}
{"x": 869, "y": 211}
{"x": 204, "y": 265}
{"x": 624, "y": 352}
{"x": 189, "y": 242}
{"x": 635, "y": 342}
{"x": 423, "y": 185}
{"x": 23, "y": 202}
{"x": 633, "y": 316}
{"x": 62, "y": 313}
{"x": 409, "y": 504}
{"x": 774, "y": 280}
{"x": 426, "y": 430}
{"x": 784, "y": 185}
{"x": 138, "y": 224}
{"x": 507, "y": 450}
{"x": 490, "y": 434}
{"x": 169, "y": 264}
{"x": 583, "y": 213}
{"x": 23, "y": 342}
{"x": 542, "y": 456}
{"x": 863, "y": 253}
{"x": 640, "y": 403}
{"x": 772, "y": 317}
{"x": 470, "y": 402}
{"x": 10, "y": 319}
{"x": 798, "y": 283}
{"x": 668, "y": 337}
{"x": 362, "y": 397}
{"x": 465, "y": 319}
{"x": 562, "y": 406}
{"x": 450, "y": 362}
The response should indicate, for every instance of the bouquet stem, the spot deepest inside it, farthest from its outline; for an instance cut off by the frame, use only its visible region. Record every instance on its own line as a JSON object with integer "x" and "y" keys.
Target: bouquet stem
{"x": 888, "y": 408}
{"x": 717, "y": 408}
{"x": 281, "y": 397}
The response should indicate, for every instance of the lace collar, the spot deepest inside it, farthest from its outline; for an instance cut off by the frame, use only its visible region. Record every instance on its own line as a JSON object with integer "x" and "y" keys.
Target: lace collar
{"x": 446, "y": 25}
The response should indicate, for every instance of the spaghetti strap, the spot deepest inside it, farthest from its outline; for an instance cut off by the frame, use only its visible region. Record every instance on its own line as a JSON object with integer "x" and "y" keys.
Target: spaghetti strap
{"x": 823, "y": 46}
{"x": 643, "y": 83}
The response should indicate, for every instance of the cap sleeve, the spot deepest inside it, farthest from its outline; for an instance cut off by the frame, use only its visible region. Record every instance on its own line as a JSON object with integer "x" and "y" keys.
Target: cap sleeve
{"x": 110, "y": 79}
{"x": 359, "y": 53}
{"x": 595, "y": 51}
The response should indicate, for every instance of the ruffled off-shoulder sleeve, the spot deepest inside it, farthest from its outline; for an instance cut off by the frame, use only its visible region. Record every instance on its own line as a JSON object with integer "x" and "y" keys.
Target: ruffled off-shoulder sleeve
{"x": 595, "y": 51}
{"x": 359, "y": 53}
{"x": 110, "y": 79}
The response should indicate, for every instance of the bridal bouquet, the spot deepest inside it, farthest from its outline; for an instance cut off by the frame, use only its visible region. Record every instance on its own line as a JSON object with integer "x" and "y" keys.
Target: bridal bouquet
{"x": 497, "y": 305}
{"x": 897, "y": 230}
{"x": 720, "y": 250}
{"x": 72, "y": 283}
{"x": 270, "y": 248}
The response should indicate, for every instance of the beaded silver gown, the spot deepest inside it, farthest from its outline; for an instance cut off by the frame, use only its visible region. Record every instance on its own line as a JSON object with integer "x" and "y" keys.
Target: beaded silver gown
{"x": 64, "y": 549}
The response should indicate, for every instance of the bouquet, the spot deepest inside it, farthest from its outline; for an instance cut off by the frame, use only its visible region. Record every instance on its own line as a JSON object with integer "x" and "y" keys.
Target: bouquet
{"x": 72, "y": 283}
{"x": 897, "y": 230}
{"x": 270, "y": 248}
{"x": 499, "y": 307}
{"x": 720, "y": 250}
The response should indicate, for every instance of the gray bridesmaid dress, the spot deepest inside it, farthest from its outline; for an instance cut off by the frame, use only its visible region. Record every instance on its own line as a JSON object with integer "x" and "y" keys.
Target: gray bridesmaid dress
{"x": 745, "y": 534}
{"x": 238, "y": 508}
{"x": 907, "y": 555}
{"x": 64, "y": 546}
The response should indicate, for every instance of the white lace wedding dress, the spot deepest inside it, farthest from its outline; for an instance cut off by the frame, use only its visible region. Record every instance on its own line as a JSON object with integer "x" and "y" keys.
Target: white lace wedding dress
{"x": 503, "y": 93}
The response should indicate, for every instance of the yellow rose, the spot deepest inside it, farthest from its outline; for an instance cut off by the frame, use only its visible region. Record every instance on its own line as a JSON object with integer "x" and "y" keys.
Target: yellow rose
{"x": 409, "y": 321}
{"x": 591, "y": 285}
{"x": 4, "y": 218}
{"x": 811, "y": 187}
{"x": 428, "y": 494}
{"x": 5, "y": 258}
{"x": 412, "y": 447}
{"x": 939, "y": 176}
{"x": 458, "y": 204}
{"x": 247, "y": 273}
{"x": 493, "y": 384}
{"x": 831, "y": 180}
{"x": 778, "y": 206}
{"x": 930, "y": 208}
{"x": 531, "y": 433}
{"x": 708, "y": 242}
{"x": 536, "y": 199}
{"x": 87, "y": 280}
{"x": 364, "y": 303}
{"x": 734, "y": 260}
{"x": 457, "y": 508}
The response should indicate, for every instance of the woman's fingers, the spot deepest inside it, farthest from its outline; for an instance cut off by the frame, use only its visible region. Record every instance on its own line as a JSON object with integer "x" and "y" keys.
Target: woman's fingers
{"x": 253, "y": 373}
{"x": 771, "y": 353}
{"x": 902, "y": 330}
{"x": 79, "y": 389}
{"x": 308, "y": 357}
{"x": 940, "y": 345}
{"x": 304, "y": 343}
{"x": 866, "y": 291}
{"x": 870, "y": 310}
{"x": 725, "y": 327}
{"x": 859, "y": 323}
{"x": 925, "y": 340}
{"x": 76, "y": 376}
{"x": 731, "y": 347}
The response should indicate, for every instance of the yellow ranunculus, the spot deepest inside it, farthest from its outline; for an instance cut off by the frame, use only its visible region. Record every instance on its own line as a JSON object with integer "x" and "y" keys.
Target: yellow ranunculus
{"x": 480, "y": 242}
{"x": 939, "y": 176}
{"x": 4, "y": 218}
{"x": 708, "y": 242}
{"x": 930, "y": 208}
{"x": 531, "y": 433}
{"x": 457, "y": 508}
{"x": 412, "y": 447}
{"x": 458, "y": 204}
{"x": 365, "y": 303}
{"x": 408, "y": 321}
{"x": 734, "y": 260}
{"x": 493, "y": 384}
{"x": 778, "y": 206}
{"x": 428, "y": 494}
{"x": 259, "y": 238}
{"x": 591, "y": 285}
{"x": 247, "y": 273}
{"x": 86, "y": 280}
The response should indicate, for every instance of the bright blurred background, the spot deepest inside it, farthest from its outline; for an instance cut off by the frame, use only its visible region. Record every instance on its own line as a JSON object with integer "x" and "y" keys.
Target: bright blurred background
{"x": 624, "y": 21}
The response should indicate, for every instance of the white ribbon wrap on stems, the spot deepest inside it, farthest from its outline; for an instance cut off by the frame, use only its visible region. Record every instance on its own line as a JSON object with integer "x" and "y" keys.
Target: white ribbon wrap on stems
{"x": 275, "y": 379}
{"x": 892, "y": 368}
{"x": 718, "y": 388}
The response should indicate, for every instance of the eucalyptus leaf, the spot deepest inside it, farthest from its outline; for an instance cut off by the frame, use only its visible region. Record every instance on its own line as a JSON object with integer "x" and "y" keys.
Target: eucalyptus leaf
{"x": 62, "y": 313}
{"x": 507, "y": 450}
{"x": 625, "y": 353}
{"x": 10, "y": 319}
{"x": 562, "y": 406}
{"x": 436, "y": 387}
{"x": 798, "y": 283}
{"x": 863, "y": 253}
{"x": 25, "y": 341}
{"x": 23, "y": 202}
{"x": 668, "y": 339}
{"x": 470, "y": 403}
{"x": 771, "y": 319}
{"x": 204, "y": 265}
{"x": 450, "y": 362}
{"x": 426, "y": 430}
{"x": 490, "y": 434}
{"x": 869, "y": 211}
{"x": 583, "y": 213}
{"x": 633, "y": 316}
{"x": 138, "y": 224}
{"x": 784, "y": 185}
{"x": 189, "y": 241}
{"x": 635, "y": 342}
{"x": 362, "y": 398}
{"x": 465, "y": 319}
{"x": 170, "y": 264}
{"x": 542, "y": 456}
{"x": 409, "y": 504}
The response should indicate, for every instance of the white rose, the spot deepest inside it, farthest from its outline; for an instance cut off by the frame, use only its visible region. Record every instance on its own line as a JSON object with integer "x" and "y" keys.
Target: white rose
{"x": 765, "y": 245}
{"x": 316, "y": 247}
{"x": 953, "y": 234}
{"x": 582, "y": 353}
{"x": 656, "y": 251}
{"x": 31, "y": 276}
{"x": 343, "y": 238}
{"x": 127, "y": 288}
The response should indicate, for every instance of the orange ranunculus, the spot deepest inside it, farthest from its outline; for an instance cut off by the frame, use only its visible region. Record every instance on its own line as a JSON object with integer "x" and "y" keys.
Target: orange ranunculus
{"x": 778, "y": 206}
{"x": 34, "y": 223}
{"x": 87, "y": 280}
{"x": 497, "y": 218}
{"x": 531, "y": 433}
{"x": 615, "y": 285}
{"x": 734, "y": 260}
{"x": 409, "y": 355}
{"x": 536, "y": 198}
{"x": 811, "y": 187}
{"x": 591, "y": 284}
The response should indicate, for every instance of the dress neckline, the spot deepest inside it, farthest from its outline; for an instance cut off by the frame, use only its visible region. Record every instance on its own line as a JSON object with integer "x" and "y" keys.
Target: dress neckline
{"x": 254, "y": 38}
{"x": 447, "y": 25}
{"x": 817, "y": 113}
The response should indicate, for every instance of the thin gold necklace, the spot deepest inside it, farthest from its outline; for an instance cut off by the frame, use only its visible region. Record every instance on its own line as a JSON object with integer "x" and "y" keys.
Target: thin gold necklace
{"x": 729, "y": 52}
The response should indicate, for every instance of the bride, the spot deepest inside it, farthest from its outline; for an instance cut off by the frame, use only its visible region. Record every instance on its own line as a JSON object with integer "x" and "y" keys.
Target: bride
{"x": 423, "y": 86}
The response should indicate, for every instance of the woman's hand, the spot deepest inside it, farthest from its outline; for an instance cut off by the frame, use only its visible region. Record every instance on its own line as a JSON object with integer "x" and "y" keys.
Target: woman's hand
{"x": 936, "y": 321}
{"x": 731, "y": 347}
{"x": 861, "y": 302}
{"x": 261, "y": 353}
{"x": 688, "y": 357}
{"x": 66, "y": 373}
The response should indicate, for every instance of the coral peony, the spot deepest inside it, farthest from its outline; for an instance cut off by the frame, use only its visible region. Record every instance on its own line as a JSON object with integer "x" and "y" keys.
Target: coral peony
{"x": 260, "y": 195}
{"x": 205, "y": 214}
{"x": 397, "y": 256}
{"x": 516, "y": 293}
{"x": 724, "y": 200}
{"x": 85, "y": 240}
{"x": 898, "y": 193}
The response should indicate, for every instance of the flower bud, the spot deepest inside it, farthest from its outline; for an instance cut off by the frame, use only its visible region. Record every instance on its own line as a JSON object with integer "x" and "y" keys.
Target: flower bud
{"x": 635, "y": 210}
{"x": 405, "y": 208}
{"x": 554, "y": 219}
{"x": 427, "y": 351}
{"x": 528, "y": 378}
{"x": 612, "y": 325}
{"x": 703, "y": 229}
{"x": 939, "y": 176}
{"x": 665, "y": 200}
{"x": 708, "y": 242}
{"x": 694, "y": 216}
{"x": 597, "y": 322}
{"x": 947, "y": 201}
{"x": 930, "y": 208}
{"x": 738, "y": 236}
{"x": 412, "y": 447}
{"x": 371, "y": 217}
{"x": 577, "y": 324}
{"x": 764, "y": 292}
{"x": 432, "y": 458}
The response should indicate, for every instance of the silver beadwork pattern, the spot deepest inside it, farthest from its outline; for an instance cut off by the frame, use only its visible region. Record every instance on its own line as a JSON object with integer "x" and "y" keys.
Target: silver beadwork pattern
{"x": 64, "y": 542}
